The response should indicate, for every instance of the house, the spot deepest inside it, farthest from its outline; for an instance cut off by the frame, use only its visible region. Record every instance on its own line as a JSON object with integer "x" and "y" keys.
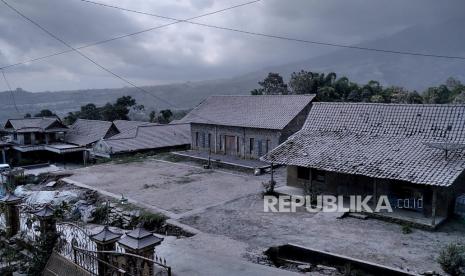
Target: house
{"x": 404, "y": 151}
{"x": 87, "y": 132}
{"x": 246, "y": 126}
{"x": 144, "y": 138}
{"x": 125, "y": 125}
{"x": 38, "y": 139}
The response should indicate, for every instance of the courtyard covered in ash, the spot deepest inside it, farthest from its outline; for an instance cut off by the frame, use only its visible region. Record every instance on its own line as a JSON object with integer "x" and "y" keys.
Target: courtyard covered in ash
{"x": 229, "y": 204}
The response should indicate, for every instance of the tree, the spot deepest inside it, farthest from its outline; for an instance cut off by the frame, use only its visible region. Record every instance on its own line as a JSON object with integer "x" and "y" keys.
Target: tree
{"x": 45, "y": 113}
{"x": 302, "y": 83}
{"x": 153, "y": 116}
{"x": 165, "y": 116}
{"x": 438, "y": 95}
{"x": 27, "y": 115}
{"x": 273, "y": 84}
{"x": 109, "y": 112}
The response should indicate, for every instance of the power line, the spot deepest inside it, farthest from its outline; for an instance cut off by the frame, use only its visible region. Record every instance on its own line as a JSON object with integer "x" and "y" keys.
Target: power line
{"x": 280, "y": 37}
{"x": 226, "y": 29}
{"x": 130, "y": 34}
{"x": 11, "y": 91}
{"x": 88, "y": 58}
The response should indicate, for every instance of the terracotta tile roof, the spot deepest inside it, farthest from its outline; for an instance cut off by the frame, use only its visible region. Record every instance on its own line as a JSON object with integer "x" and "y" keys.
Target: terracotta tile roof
{"x": 267, "y": 112}
{"x": 393, "y": 141}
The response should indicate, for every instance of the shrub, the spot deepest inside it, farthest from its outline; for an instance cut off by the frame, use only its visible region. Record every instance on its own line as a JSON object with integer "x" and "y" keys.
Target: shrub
{"x": 151, "y": 221}
{"x": 268, "y": 188}
{"x": 452, "y": 259}
{"x": 100, "y": 214}
{"x": 406, "y": 229}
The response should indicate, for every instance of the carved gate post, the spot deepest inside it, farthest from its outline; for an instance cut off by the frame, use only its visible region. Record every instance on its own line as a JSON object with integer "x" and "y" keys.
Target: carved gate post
{"x": 142, "y": 243}
{"x": 48, "y": 228}
{"x": 11, "y": 214}
{"x": 106, "y": 241}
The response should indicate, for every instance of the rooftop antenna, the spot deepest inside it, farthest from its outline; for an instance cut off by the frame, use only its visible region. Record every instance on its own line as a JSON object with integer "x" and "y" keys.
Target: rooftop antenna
{"x": 445, "y": 146}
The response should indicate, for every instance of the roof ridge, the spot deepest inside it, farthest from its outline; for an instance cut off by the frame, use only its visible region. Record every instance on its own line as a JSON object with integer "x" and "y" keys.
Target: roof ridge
{"x": 389, "y": 104}
{"x": 90, "y": 120}
{"x": 278, "y": 95}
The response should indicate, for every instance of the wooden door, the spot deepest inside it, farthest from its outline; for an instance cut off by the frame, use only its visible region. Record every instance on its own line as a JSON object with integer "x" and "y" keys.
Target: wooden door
{"x": 230, "y": 145}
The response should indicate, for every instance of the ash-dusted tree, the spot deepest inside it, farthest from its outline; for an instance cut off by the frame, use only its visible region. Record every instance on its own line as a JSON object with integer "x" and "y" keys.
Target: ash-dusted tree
{"x": 109, "y": 112}
{"x": 273, "y": 84}
{"x": 45, "y": 113}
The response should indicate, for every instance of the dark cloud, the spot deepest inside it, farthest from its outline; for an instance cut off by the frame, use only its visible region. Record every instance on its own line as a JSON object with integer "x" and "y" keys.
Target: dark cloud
{"x": 185, "y": 52}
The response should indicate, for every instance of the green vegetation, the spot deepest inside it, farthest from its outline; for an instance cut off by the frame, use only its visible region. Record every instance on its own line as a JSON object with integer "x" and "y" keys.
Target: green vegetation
{"x": 100, "y": 215}
{"x": 452, "y": 259}
{"x": 164, "y": 117}
{"x": 151, "y": 221}
{"x": 406, "y": 229}
{"x": 329, "y": 88}
{"x": 44, "y": 113}
{"x": 109, "y": 112}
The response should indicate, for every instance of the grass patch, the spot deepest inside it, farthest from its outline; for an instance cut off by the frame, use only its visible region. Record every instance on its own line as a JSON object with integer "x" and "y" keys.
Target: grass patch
{"x": 406, "y": 229}
{"x": 151, "y": 221}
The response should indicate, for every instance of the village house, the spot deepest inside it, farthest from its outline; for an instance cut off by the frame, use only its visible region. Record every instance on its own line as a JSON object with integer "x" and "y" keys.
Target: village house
{"x": 404, "y": 151}
{"x": 246, "y": 126}
{"x": 86, "y": 132}
{"x": 143, "y": 138}
{"x": 125, "y": 125}
{"x": 38, "y": 139}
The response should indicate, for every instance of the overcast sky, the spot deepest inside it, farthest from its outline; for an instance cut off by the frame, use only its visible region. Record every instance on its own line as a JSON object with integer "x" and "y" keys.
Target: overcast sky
{"x": 185, "y": 52}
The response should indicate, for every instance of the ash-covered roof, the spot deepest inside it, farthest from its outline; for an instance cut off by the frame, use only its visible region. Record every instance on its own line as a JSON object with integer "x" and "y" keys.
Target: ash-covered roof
{"x": 148, "y": 137}
{"x": 393, "y": 141}
{"x": 85, "y": 132}
{"x": 124, "y": 125}
{"x": 34, "y": 124}
{"x": 266, "y": 112}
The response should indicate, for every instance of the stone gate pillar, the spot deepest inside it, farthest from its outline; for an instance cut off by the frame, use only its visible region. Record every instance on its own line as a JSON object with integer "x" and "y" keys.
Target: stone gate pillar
{"x": 142, "y": 243}
{"x": 106, "y": 241}
{"x": 48, "y": 230}
{"x": 11, "y": 203}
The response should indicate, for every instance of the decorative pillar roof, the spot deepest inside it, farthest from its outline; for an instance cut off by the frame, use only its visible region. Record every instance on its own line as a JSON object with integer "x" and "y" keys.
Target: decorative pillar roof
{"x": 105, "y": 236}
{"x": 10, "y": 199}
{"x": 139, "y": 239}
{"x": 45, "y": 213}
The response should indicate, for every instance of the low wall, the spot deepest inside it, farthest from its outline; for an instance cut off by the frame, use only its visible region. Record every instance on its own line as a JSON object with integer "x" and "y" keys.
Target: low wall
{"x": 295, "y": 253}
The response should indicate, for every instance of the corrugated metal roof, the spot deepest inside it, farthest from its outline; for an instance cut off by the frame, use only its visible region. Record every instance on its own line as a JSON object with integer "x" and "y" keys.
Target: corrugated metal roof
{"x": 85, "y": 132}
{"x": 148, "y": 137}
{"x": 379, "y": 140}
{"x": 267, "y": 112}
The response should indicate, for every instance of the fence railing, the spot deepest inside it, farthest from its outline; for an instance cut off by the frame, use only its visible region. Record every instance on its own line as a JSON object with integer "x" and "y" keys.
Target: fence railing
{"x": 133, "y": 265}
{"x": 69, "y": 235}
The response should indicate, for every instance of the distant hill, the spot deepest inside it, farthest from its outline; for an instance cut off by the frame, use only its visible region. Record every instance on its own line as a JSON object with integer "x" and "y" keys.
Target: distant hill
{"x": 183, "y": 96}
{"x": 412, "y": 72}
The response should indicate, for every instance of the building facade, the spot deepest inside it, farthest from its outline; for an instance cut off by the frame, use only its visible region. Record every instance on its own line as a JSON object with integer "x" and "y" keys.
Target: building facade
{"x": 38, "y": 139}
{"x": 246, "y": 126}
{"x": 404, "y": 152}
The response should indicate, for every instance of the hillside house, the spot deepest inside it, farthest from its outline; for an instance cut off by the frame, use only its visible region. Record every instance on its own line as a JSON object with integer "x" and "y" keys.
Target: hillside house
{"x": 87, "y": 132}
{"x": 246, "y": 126}
{"x": 38, "y": 138}
{"x": 402, "y": 151}
{"x": 125, "y": 125}
{"x": 144, "y": 138}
